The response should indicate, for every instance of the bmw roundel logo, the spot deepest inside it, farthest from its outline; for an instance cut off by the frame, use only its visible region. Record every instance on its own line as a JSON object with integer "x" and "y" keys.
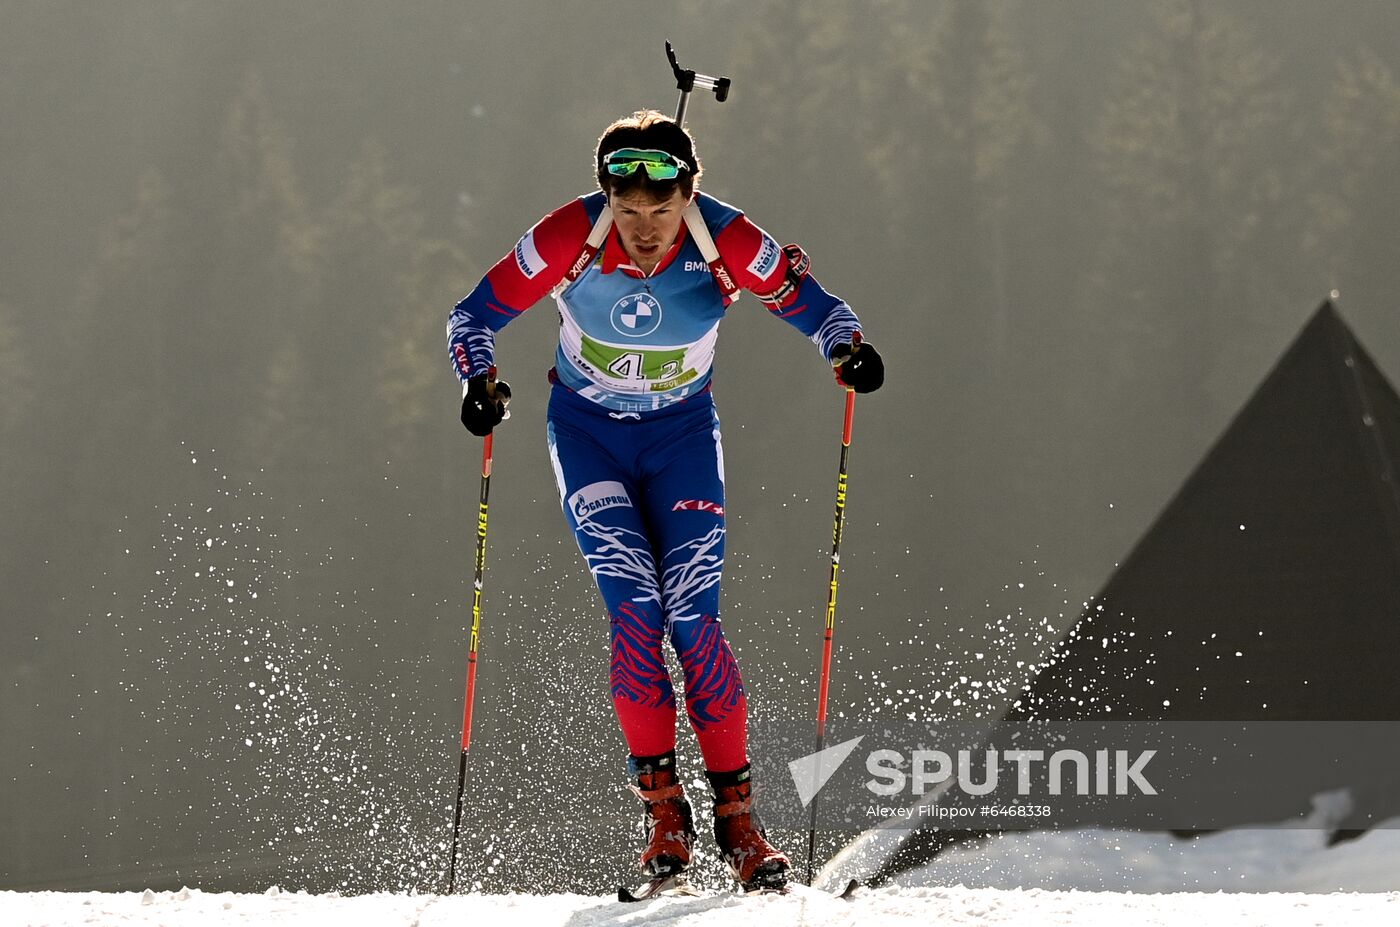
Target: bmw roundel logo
{"x": 636, "y": 316}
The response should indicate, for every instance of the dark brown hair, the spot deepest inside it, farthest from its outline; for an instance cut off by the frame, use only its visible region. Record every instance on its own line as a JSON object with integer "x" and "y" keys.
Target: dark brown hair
{"x": 648, "y": 128}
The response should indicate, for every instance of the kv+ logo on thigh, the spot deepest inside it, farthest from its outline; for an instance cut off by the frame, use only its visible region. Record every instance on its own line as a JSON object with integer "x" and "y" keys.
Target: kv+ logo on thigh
{"x": 636, "y": 316}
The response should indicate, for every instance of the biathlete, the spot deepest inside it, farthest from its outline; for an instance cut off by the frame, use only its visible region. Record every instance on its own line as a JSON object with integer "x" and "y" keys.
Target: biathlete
{"x": 643, "y": 271}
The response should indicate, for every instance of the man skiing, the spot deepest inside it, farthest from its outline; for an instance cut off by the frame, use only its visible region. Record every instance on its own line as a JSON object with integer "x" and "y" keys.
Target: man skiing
{"x": 642, "y": 272}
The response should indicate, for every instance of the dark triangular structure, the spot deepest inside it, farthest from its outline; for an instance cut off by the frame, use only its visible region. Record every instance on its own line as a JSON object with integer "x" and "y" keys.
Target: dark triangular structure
{"x": 1283, "y": 545}
{"x": 1268, "y": 589}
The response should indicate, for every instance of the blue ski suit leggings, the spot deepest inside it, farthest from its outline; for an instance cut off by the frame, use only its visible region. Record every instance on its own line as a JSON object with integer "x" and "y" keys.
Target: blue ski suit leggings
{"x": 644, "y": 495}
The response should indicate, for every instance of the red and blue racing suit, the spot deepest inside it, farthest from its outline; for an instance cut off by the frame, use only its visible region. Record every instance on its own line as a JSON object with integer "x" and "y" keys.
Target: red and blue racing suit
{"x": 635, "y": 441}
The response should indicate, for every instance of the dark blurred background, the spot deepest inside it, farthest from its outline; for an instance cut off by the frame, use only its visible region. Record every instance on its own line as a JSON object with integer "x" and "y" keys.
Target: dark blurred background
{"x": 237, "y": 511}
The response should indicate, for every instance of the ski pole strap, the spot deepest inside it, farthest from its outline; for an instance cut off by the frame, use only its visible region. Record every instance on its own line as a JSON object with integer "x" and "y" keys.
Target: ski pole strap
{"x": 706, "y": 243}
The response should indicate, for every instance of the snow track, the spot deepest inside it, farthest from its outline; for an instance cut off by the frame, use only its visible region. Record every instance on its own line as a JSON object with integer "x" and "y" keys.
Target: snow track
{"x": 943, "y": 906}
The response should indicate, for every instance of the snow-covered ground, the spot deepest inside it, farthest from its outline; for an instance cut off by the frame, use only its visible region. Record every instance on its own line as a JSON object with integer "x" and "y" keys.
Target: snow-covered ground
{"x": 1277, "y": 877}
{"x": 942, "y": 906}
{"x": 1275, "y": 860}
{"x": 1262, "y": 859}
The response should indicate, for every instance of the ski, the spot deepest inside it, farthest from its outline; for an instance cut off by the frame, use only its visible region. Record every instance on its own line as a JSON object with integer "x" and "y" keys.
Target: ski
{"x": 765, "y": 890}
{"x": 677, "y": 886}
{"x": 845, "y": 894}
{"x": 661, "y": 886}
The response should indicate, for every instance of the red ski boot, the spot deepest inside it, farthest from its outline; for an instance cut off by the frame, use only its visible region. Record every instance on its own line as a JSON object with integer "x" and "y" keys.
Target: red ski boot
{"x": 755, "y": 862}
{"x": 670, "y": 832}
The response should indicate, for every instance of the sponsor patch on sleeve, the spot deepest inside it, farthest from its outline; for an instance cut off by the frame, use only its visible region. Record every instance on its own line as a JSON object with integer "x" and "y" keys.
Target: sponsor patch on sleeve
{"x": 527, "y": 256}
{"x": 766, "y": 261}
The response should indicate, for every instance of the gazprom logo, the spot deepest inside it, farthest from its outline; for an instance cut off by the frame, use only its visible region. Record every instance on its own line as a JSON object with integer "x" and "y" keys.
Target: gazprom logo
{"x": 636, "y": 316}
{"x": 595, "y": 497}
{"x": 527, "y": 256}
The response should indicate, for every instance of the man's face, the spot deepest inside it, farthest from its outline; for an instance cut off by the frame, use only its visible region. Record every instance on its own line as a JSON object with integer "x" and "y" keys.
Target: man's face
{"x": 647, "y": 226}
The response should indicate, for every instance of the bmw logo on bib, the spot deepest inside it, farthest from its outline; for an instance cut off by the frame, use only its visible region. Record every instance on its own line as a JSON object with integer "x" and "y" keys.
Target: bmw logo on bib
{"x": 636, "y": 316}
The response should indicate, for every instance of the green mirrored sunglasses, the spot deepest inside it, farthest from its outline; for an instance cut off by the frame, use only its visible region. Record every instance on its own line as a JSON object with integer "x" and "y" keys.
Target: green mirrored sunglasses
{"x": 659, "y": 165}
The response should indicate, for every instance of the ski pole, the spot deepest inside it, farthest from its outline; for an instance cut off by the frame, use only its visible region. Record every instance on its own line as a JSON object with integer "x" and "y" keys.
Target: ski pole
{"x": 837, "y": 525}
{"x": 471, "y": 652}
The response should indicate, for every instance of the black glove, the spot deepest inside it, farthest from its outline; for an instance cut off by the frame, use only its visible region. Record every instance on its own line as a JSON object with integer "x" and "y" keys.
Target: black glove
{"x": 858, "y": 366}
{"x": 484, "y": 404}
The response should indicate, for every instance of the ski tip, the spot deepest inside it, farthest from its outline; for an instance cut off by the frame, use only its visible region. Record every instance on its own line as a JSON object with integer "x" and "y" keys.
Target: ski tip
{"x": 850, "y": 889}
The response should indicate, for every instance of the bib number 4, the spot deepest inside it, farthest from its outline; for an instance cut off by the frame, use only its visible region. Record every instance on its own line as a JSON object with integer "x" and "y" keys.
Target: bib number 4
{"x": 640, "y": 370}
{"x": 633, "y": 366}
{"x": 627, "y": 366}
